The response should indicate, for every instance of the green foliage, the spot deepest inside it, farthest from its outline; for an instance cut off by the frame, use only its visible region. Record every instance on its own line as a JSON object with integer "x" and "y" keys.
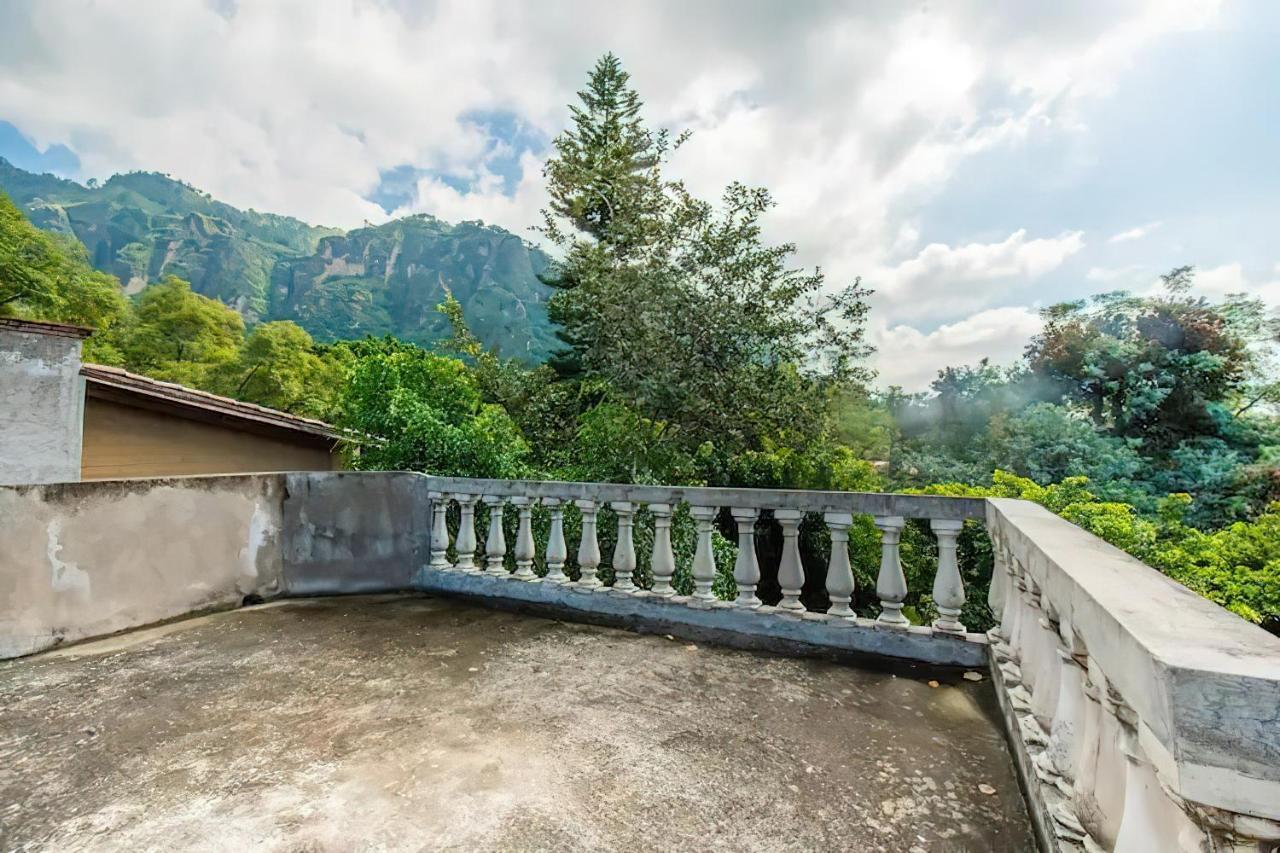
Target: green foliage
{"x": 421, "y": 412}
{"x": 44, "y": 277}
{"x": 280, "y": 367}
{"x": 1149, "y": 368}
{"x": 1237, "y": 566}
{"x": 677, "y": 308}
{"x": 176, "y": 335}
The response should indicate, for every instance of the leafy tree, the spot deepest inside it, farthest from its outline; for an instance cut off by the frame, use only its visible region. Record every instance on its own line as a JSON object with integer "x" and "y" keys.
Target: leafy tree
{"x": 1048, "y": 443}
{"x": 1154, "y": 368}
{"x": 422, "y": 412}
{"x": 46, "y": 277}
{"x": 279, "y": 366}
{"x": 177, "y": 335}
{"x": 678, "y": 307}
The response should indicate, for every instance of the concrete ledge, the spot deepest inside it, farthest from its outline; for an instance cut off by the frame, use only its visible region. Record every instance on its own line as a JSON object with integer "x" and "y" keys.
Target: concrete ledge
{"x": 767, "y": 629}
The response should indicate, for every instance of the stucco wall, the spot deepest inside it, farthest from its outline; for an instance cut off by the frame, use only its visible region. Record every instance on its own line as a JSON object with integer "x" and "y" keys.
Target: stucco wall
{"x": 84, "y": 559}
{"x": 41, "y": 400}
{"x": 122, "y": 441}
{"x": 79, "y": 560}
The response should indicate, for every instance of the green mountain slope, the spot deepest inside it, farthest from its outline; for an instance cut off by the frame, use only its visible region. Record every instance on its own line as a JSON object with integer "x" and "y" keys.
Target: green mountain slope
{"x": 384, "y": 279}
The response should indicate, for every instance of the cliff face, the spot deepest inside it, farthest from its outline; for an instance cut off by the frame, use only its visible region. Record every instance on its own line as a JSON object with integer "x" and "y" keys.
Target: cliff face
{"x": 384, "y": 279}
{"x": 390, "y": 278}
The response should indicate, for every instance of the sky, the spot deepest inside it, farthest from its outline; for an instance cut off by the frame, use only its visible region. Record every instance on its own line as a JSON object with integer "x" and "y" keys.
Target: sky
{"x": 973, "y": 162}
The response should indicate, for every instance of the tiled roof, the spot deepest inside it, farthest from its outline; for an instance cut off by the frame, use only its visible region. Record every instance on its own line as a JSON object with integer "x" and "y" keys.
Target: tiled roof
{"x": 39, "y": 327}
{"x": 184, "y": 397}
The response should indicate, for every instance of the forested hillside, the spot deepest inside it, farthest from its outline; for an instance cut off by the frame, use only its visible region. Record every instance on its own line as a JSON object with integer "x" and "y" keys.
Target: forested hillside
{"x": 387, "y": 279}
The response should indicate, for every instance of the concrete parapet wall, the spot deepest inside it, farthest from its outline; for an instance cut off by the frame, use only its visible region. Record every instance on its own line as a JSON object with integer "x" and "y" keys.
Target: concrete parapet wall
{"x": 80, "y": 560}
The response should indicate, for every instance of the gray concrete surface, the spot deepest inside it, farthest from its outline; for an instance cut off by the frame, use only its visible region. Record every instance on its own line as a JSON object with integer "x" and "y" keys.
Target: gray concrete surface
{"x": 424, "y": 724}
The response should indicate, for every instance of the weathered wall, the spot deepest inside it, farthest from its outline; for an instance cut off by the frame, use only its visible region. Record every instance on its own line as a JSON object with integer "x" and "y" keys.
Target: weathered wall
{"x": 79, "y": 560}
{"x": 354, "y": 532}
{"x": 84, "y": 559}
{"x": 41, "y": 400}
{"x": 122, "y": 441}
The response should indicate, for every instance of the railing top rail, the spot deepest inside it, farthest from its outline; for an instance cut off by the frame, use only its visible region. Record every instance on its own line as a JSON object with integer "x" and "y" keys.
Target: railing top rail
{"x": 1205, "y": 682}
{"x": 861, "y": 503}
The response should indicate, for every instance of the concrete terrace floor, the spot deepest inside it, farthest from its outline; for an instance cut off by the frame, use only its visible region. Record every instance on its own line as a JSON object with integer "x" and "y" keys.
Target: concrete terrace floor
{"x": 424, "y": 724}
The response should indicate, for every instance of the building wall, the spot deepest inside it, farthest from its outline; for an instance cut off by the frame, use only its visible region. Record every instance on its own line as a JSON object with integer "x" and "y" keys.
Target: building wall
{"x": 122, "y": 441}
{"x": 41, "y": 400}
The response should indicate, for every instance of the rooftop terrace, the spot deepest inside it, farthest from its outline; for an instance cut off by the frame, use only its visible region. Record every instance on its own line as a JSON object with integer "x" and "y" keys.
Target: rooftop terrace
{"x": 420, "y": 723}
{"x": 493, "y": 704}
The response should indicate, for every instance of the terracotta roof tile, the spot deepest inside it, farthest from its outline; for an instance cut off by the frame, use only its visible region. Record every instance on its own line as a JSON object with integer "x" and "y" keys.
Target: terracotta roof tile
{"x": 172, "y": 392}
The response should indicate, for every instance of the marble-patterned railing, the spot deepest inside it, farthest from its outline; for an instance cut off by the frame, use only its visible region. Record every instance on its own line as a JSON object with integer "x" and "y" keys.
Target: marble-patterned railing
{"x": 1145, "y": 717}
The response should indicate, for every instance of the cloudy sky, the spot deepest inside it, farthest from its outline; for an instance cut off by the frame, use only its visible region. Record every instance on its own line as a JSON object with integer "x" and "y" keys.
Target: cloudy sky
{"x": 972, "y": 161}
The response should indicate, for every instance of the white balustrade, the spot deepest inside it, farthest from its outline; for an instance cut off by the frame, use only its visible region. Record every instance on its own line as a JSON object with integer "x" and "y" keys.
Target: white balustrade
{"x": 790, "y": 569}
{"x": 624, "y": 552}
{"x": 891, "y": 584}
{"x": 557, "y": 551}
{"x": 495, "y": 546}
{"x": 589, "y": 545}
{"x": 663, "y": 561}
{"x": 704, "y": 558}
{"x": 948, "y": 588}
{"x": 746, "y": 569}
{"x": 465, "y": 545}
{"x": 524, "y": 539}
{"x": 439, "y": 531}
{"x": 840, "y": 584}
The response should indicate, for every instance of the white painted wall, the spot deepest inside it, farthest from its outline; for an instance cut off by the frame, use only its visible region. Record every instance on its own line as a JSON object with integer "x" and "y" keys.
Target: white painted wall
{"x": 41, "y": 408}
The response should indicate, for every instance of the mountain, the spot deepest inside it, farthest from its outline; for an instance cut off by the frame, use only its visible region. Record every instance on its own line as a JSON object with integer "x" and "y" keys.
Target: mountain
{"x": 383, "y": 279}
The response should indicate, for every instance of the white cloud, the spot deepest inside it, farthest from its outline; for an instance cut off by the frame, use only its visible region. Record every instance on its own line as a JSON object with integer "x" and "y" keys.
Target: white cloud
{"x": 944, "y": 281}
{"x": 1136, "y": 233}
{"x": 1218, "y": 282}
{"x": 295, "y": 107}
{"x": 1109, "y": 275}
{"x": 912, "y": 359}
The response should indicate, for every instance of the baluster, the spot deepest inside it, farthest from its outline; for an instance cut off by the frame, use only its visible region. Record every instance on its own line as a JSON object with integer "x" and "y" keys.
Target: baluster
{"x": 1081, "y": 810}
{"x": 999, "y": 579}
{"x": 663, "y": 560}
{"x": 1010, "y": 617}
{"x": 466, "y": 541}
{"x": 557, "y": 551}
{"x": 1044, "y": 698}
{"x": 1150, "y": 820}
{"x": 1056, "y": 765}
{"x": 439, "y": 531}
{"x": 1099, "y": 794}
{"x": 495, "y": 546}
{"x": 790, "y": 569}
{"x": 524, "y": 539}
{"x": 948, "y": 588}
{"x": 624, "y": 553}
{"x": 891, "y": 584}
{"x": 589, "y": 546}
{"x": 746, "y": 569}
{"x": 840, "y": 584}
{"x": 704, "y": 558}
